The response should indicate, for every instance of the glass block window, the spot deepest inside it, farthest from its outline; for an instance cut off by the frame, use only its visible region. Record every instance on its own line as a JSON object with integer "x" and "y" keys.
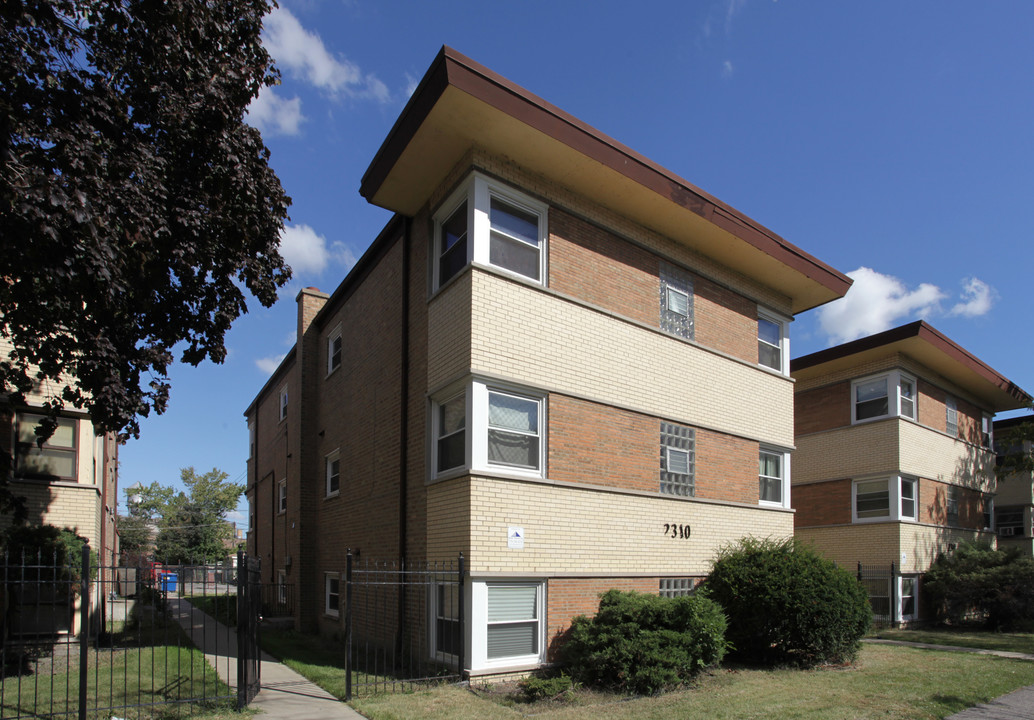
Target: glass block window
{"x": 678, "y": 460}
{"x": 676, "y": 301}
{"x": 676, "y": 587}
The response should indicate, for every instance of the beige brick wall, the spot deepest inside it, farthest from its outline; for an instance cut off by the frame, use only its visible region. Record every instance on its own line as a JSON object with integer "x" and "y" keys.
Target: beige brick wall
{"x": 912, "y": 546}
{"x": 563, "y": 346}
{"x": 62, "y": 505}
{"x": 448, "y": 331}
{"x": 934, "y": 455}
{"x": 852, "y": 451}
{"x": 571, "y": 530}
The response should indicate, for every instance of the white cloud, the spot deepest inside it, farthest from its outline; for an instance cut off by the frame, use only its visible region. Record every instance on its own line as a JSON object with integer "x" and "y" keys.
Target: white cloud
{"x": 304, "y": 249}
{"x": 342, "y": 255}
{"x": 875, "y": 303}
{"x": 727, "y": 68}
{"x": 977, "y": 298}
{"x": 302, "y": 53}
{"x": 269, "y": 364}
{"x": 411, "y": 85}
{"x": 273, "y": 115}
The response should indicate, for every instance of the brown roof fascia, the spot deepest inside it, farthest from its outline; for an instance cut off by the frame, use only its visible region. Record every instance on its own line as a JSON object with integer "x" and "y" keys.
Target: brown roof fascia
{"x": 453, "y": 68}
{"x": 924, "y": 331}
{"x": 280, "y": 370}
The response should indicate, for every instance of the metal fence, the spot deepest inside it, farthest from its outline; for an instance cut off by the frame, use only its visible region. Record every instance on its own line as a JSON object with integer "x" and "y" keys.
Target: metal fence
{"x": 403, "y": 624}
{"x": 88, "y": 640}
{"x": 880, "y": 582}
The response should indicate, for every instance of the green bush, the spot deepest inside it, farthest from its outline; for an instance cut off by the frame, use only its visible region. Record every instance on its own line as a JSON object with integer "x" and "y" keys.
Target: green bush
{"x": 995, "y": 587}
{"x": 642, "y": 644}
{"x": 788, "y": 606}
{"x": 546, "y": 686}
{"x": 47, "y": 545}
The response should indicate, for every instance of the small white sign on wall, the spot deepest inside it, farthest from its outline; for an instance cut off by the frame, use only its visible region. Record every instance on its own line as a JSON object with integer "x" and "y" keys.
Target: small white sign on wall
{"x": 904, "y": 558}
{"x": 515, "y": 538}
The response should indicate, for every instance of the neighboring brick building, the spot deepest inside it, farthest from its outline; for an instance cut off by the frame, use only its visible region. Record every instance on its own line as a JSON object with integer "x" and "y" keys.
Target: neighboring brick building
{"x": 894, "y": 459}
{"x": 1014, "y": 503}
{"x": 553, "y": 338}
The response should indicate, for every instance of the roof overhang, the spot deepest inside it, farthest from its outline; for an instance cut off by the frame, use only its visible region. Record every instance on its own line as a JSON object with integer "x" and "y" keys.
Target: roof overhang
{"x": 930, "y": 348}
{"x": 460, "y": 105}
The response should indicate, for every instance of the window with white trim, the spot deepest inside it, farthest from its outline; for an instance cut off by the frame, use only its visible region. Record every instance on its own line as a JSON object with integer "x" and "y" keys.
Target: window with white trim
{"x": 908, "y": 594}
{"x": 987, "y": 438}
{"x": 773, "y": 342}
{"x": 447, "y": 628}
{"x": 676, "y": 301}
{"x": 56, "y": 459}
{"x": 988, "y": 510}
{"x": 492, "y": 224}
{"x": 951, "y": 416}
{"x": 909, "y": 499}
{"x": 283, "y": 402}
{"x": 334, "y": 351}
{"x": 333, "y": 473}
{"x": 507, "y": 431}
{"x": 678, "y": 460}
{"x": 282, "y": 497}
{"x": 331, "y": 594}
{"x": 773, "y": 477}
{"x": 890, "y": 395}
{"x": 513, "y": 623}
{"x": 893, "y": 498}
{"x": 281, "y": 587}
{"x": 951, "y": 504}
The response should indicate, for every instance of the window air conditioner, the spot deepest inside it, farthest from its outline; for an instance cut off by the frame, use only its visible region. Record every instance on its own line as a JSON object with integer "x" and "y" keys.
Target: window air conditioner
{"x": 1006, "y": 531}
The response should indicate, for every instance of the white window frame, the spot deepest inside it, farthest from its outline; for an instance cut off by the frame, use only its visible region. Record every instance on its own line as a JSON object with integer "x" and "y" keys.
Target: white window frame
{"x": 479, "y": 623}
{"x": 952, "y": 496}
{"x": 478, "y": 191}
{"x": 892, "y": 380}
{"x": 334, "y": 337}
{"x": 477, "y": 394}
{"x": 902, "y": 483}
{"x": 435, "y": 606}
{"x": 951, "y": 416}
{"x": 327, "y": 594}
{"x": 281, "y": 497}
{"x": 328, "y": 467}
{"x": 784, "y": 466}
{"x": 25, "y": 447}
{"x": 283, "y": 403}
{"x": 988, "y": 511}
{"x": 900, "y": 609}
{"x": 281, "y": 586}
{"x": 987, "y": 431}
{"x": 894, "y": 484}
{"x": 784, "y": 340}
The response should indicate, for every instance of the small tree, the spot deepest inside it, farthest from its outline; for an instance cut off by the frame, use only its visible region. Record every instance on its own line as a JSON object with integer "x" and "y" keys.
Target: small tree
{"x": 192, "y": 525}
{"x": 787, "y": 605}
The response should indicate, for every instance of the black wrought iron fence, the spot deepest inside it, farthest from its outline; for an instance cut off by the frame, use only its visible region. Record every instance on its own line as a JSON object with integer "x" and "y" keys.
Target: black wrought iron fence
{"x": 403, "y": 624}
{"x": 880, "y": 582}
{"x": 82, "y": 639}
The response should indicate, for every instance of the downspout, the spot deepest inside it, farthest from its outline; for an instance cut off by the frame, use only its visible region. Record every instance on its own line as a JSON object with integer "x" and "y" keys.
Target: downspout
{"x": 404, "y": 430}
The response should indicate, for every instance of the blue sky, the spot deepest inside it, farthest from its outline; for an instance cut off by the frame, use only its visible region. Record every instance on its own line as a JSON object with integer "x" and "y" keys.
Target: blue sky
{"x": 892, "y": 140}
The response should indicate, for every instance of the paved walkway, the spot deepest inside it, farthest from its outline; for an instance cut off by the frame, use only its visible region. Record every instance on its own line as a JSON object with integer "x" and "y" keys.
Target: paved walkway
{"x": 284, "y": 693}
{"x": 1017, "y": 705}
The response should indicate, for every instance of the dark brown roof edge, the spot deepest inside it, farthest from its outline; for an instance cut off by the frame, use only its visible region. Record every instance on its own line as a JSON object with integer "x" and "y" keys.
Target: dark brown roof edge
{"x": 288, "y": 359}
{"x": 369, "y": 259}
{"x": 453, "y": 68}
{"x": 1014, "y": 421}
{"x": 924, "y": 331}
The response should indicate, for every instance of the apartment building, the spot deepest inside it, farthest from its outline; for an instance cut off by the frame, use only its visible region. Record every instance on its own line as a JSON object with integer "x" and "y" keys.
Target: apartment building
{"x": 558, "y": 358}
{"x": 72, "y": 480}
{"x": 1014, "y": 502}
{"x": 894, "y": 460}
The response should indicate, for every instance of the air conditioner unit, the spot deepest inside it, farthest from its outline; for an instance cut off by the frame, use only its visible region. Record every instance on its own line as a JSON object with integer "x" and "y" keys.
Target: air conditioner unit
{"x": 1006, "y": 531}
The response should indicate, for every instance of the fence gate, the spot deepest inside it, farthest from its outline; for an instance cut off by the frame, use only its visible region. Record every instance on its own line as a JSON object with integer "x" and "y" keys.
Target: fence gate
{"x": 249, "y": 606}
{"x": 881, "y": 584}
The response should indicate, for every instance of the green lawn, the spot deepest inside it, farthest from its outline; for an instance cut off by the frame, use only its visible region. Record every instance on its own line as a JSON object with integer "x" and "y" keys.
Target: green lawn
{"x": 964, "y": 637}
{"x": 887, "y": 682}
{"x": 156, "y": 666}
{"x": 221, "y": 607}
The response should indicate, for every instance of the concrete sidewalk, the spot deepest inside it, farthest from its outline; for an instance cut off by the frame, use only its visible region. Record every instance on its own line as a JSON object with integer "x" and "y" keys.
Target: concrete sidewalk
{"x": 284, "y": 693}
